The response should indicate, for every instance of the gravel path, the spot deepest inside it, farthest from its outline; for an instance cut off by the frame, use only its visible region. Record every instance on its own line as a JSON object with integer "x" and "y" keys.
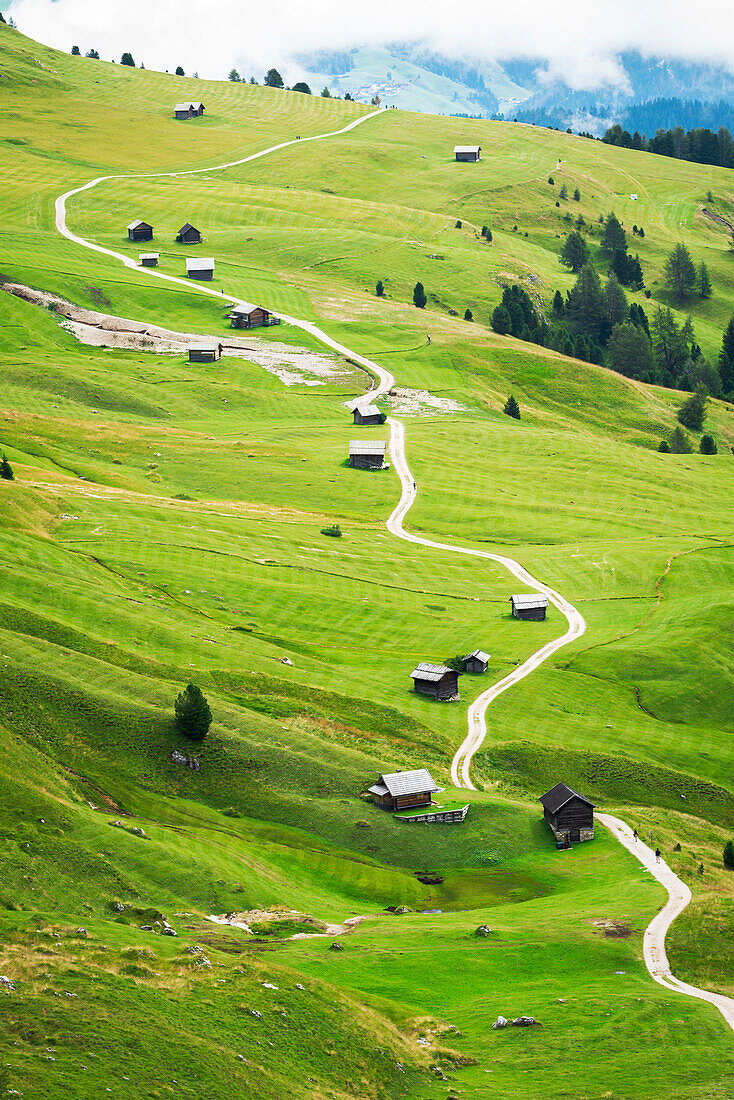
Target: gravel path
{"x": 678, "y": 893}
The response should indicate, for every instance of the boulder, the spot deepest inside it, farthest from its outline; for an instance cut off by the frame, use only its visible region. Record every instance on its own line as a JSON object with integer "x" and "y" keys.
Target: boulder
{"x": 336, "y": 946}
{"x": 526, "y": 1021}
{"x": 118, "y": 907}
{"x": 402, "y": 909}
{"x": 483, "y": 930}
{"x": 146, "y": 927}
{"x": 499, "y": 1022}
{"x": 187, "y": 761}
{"x": 81, "y": 932}
{"x": 168, "y": 931}
{"x": 6, "y": 984}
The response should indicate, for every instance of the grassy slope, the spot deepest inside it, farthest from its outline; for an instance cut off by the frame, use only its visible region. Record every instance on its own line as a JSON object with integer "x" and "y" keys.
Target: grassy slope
{"x": 575, "y": 490}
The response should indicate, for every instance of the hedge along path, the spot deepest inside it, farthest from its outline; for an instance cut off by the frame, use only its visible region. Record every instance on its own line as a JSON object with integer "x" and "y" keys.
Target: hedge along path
{"x": 678, "y": 893}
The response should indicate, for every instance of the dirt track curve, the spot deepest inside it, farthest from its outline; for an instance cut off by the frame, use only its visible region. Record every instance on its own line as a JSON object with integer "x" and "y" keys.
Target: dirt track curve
{"x": 678, "y": 893}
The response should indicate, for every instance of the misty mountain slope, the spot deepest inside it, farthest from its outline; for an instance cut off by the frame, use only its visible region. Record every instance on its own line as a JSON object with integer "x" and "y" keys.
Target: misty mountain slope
{"x": 172, "y": 521}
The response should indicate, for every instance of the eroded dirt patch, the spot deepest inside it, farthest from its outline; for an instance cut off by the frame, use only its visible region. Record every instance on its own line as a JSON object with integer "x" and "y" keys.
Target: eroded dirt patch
{"x": 407, "y": 402}
{"x": 263, "y": 923}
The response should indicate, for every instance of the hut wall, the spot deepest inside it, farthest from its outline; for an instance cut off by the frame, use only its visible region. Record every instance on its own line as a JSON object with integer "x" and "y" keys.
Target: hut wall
{"x": 537, "y": 614}
{"x": 142, "y": 233}
{"x": 366, "y": 462}
{"x": 467, "y": 156}
{"x": 202, "y": 274}
{"x": 405, "y": 801}
{"x": 384, "y": 802}
{"x": 360, "y": 418}
{"x": 473, "y": 664}
{"x": 149, "y": 263}
{"x": 426, "y": 687}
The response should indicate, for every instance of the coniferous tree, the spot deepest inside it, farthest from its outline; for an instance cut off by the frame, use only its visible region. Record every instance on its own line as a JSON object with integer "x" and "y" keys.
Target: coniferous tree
{"x": 575, "y": 252}
{"x": 193, "y": 715}
{"x": 664, "y": 447}
{"x": 379, "y": 289}
{"x": 127, "y": 59}
{"x": 93, "y": 54}
{"x": 563, "y": 193}
{"x": 615, "y": 305}
{"x": 671, "y": 343}
{"x": 325, "y": 93}
{"x": 630, "y": 352}
{"x": 726, "y": 358}
{"x": 512, "y": 408}
{"x": 234, "y": 76}
{"x": 302, "y": 86}
{"x": 679, "y": 442}
{"x": 585, "y": 306}
{"x": 680, "y": 273}
{"x": 419, "y": 296}
{"x": 729, "y": 855}
{"x": 558, "y": 306}
{"x": 577, "y": 195}
{"x": 75, "y": 51}
{"x": 6, "y": 470}
{"x": 180, "y": 71}
{"x": 704, "y": 281}
{"x": 273, "y": 79}
{"x": 614, "y": 236}
{"x": 468, "y": 315}
{"x": 501, "y": 321}
{"x": 707, "y": 446}
{"x": 693, "y": 410}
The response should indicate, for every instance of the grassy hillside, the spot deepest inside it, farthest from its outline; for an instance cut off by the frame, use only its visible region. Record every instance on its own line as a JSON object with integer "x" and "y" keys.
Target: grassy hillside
{"x": 165, "y": 525}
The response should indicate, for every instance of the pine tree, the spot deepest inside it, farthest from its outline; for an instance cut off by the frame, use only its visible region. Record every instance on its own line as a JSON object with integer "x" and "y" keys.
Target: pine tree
{"x": 273, "y": 79}
{"x": 558, "y": 306}
{"x": 501, "y": 321}
{"x": 180, "y": 71}
{"x": 75, "y": 51}
{"x": 575, "y": 252}
{"x": 325, "y": 93}
{"x": 468, "y": 315}
{"x": 419, "y": 296}
{"x": 679, "y": 444}
{"x": 234, "y": 76}
{"x": 630, "y": 352}
{"x": 193, "y": 715}
{"x": 693, "y": 410}
{"x": 563, "y": 193}
{"x": 512, "y": 408}
{"x": 585, "y": 307}
{"x": 664, "y": 447}
{"x": 6, "y": 470}
{"x": 707, "y": 445}
{"x": 577, "y": 195}
{"x": 680, "y": 273}
{"x": 614, "y": 236}
{"x": 729, "y": 855}
{"x": 615, "y": 305}
{"x": 726, "y": 358}
{"x": 93, "y": 54}
{"x": 303, "y": 87}
{"x": 127, "y": 59}
{"x": 379, "y": 289}
{"x": 704, "y": 282}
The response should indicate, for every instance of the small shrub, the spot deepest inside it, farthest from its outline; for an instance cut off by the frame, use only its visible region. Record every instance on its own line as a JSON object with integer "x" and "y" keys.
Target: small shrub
{"x": 379, "y": 289}
{"x": 551, "y": 181}
{"x": 729, "y": 855}
{"x": 468, "y": 315}
{"x": 700, "y": 868}
{"x": 664, "y": 447}
{"x": 458, "y": 225}
{"x": 6, "y": 470}
{"x": 707, "y": 445}
{"x": 512, "y": 408}
{"x": 676, "y": 847}
{"x": 457, "y": 663}
{"x": 334, "y": 531}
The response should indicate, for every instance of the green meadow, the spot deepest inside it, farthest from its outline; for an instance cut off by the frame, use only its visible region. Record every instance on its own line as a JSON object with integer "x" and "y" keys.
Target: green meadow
{"x": 165, "y": 526}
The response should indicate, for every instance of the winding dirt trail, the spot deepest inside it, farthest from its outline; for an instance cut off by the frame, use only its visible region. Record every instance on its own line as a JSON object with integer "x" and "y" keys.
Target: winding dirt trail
{"x": 678, "y": 893}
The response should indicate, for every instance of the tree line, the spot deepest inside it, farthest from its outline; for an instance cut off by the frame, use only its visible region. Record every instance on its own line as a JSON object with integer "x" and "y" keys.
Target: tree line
{"x": 701, "y": 145}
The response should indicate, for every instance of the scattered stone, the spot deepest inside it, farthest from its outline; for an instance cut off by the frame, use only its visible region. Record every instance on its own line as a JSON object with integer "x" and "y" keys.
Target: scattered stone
{"x": 118, "y": 907}
{"x": 438, "y": 1072}
{"x": 138, "y": 831}
{"x": 526, "y": 1021}
{"x": 193, "y": 949}
{"x": 269, "y": 985}
{"x": 402, "y": 909}
{"x": 254, "y": 1012}
{"x": 400, "y": 1067}
{"x": 286, "y": 661}
{"x": 483, "y": 930}
{"x": 299, "y": 986}
{"x": 6, "y": 984}
{"x": 168, "y": 931}
{"x": 499, "y": 1022}
{"x": 146, "y": 927}
{"x": 336, "y": 947}
{"x": 187, "y": 761}
{"x": 81, "y": 932}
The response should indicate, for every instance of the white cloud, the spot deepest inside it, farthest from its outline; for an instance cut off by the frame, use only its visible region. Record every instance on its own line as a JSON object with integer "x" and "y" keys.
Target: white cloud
{"x": 579, "y": 39}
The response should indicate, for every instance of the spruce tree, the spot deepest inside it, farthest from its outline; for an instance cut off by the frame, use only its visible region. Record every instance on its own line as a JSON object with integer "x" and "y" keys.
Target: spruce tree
{"x": 6, "y": 470}
{"x": 726, "y": 358}
{"x": 75, "y": 51}
{"x": 234, "y": 76}
{"x": 577, "y": 195}
{"x": 679, "y": 443}
{"x": 419, "y": 296}
{"x": 615, "y": 305}
{"x": 693, "y": 410}
{"x": 501, "y": 321}
{"x": 180, "y": 71}
{"x": 707, "y": 445}
{"x": 127, "y": 59}
{"x": 193, "y": 716}
{"x": 468, "y": 315}
{"x": 273, "y": 79}
{"x": 379, "y": 289}
{"x": 585, "y": 307}
{"x": 680, "y": 273}
{"x": 664, "y": 447}
{"x": 704, "y": 282}
{"x": 729, "y": 855}
{"x": 563, "y": 193}
{"x": 614, "y": 236}
{"x": 630, "y": 352}
{"x": 558, "y": 306}
{"x": 512, "y": 408}
{"x": 575, "y": 252}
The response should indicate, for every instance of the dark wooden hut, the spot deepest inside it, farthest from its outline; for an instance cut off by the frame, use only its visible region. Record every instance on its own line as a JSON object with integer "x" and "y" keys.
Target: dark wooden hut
{"x": 205, "y": 352}
{"x": 149, "y": 259}
{"x": 468, "y": 152}
{"x": 438, "y": 681}
{"x": 188, "y": 234}
{"x": 367, "y": 454}
{"x": 139, "y": 231}
{"x": 403, "y": 790}
{"x": 247, "y": 315}
{"x": 477, "y": 661}
{"x": 367, "y": 414}
{"x": 200, "y": 268}
{"x": 188, "y": 110}
{"x": 530, "y": 605}
{"x": 569, "y": 814}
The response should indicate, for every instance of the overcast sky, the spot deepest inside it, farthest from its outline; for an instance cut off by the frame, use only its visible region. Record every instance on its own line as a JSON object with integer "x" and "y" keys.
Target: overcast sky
{"x": 578, "y": 39}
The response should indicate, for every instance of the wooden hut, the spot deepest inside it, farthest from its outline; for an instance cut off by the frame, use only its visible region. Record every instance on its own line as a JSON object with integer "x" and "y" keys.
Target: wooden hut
{"x": 403, "y": 790}
{"x": 367, "y": 414}
{"x": 149, "y": 259}
{"x": 188, "y": 234}
{"x": 438, "y": 681}
{"x": 530, "y": 605}
{"x": 569, "y": 814}
{"x": 188, "y": 110}
{"x": 468, "y": 152}
{"x": 367, "y": 454}
{"x": 139, "y": 231}
{"x": 205, "y": 352}
{"x": 478, "y": 661}
{"x": 200, "y": 269}
{"x": 247, "y": 315}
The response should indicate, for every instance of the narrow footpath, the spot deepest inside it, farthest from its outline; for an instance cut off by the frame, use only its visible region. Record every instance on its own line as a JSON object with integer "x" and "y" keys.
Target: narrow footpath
{"x": 678, "y": 893}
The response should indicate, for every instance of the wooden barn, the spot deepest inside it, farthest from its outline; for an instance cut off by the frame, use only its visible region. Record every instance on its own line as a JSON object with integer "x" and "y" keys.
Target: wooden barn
{"x": 367, "y": 454}
{"x": 205, "y": 352}
{"x": 188, "y": 234}
{"x": 139, "y": 231}
{"x": 569, "y": 814}
{"x": 403, "y": 790}
{"x": 530, "y": 605}
{"x": 468, "y": 152}
{"x": 149, "y": 259}
{"x": 367, "y": 414}
{"x": 247, "y": 315}
{"x": 200, "y": 269}
{"x": 438, "y": 681}
{"x": 477, "y": 661}
{"x": 188, "y": 110}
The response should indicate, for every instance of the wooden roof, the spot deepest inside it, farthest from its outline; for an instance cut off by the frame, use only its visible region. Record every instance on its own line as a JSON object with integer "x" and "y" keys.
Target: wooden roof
{"x": 559, "y": 795}
{"x": 479, "y": 654}
{"x": 426, "y": 671}
{"x": 187, "y": 106}
{"x": 419, "y": 781}
{"x": 367, "y": 410}
{"x": 137, "y": 223}
{"x": 367, "y": 446}
{"x": 185, "y": 228}
{"x": 467, "y": 148}
{"x": 530, "y": 599}
{"x": 205, "y": 263}
{"x": 148, "y": 255}
{"x": 213, "y": 347}
{"x": 246, "y": 308}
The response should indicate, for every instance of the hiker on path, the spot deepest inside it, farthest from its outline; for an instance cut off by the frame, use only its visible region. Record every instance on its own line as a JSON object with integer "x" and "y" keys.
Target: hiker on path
{"x": 657, "y": 855}
{"x": 635, "y": 835}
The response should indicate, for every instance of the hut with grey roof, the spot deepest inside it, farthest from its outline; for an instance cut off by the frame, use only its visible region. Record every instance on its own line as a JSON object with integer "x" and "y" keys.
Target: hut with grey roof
{"x": 569, "y": 814}
{"x": 188, "y": 110}
{"x": 205, "y": 352}
{"x": 438, "y": 681}
{"x": 248, "y": 315}
{"x": 368, "y": 414}
{"x": 403, "y": 790}
{"x": 200, "y": 268}
{"x": 188, "y": 234}
{"x": 468, "y": 152}
{"x": 529, "y": 605}
{"x": 478, "y": 661}
{"x": 139, "y": 231}
{"x": 149, "y": 259}
{"x": 367, "y": 454}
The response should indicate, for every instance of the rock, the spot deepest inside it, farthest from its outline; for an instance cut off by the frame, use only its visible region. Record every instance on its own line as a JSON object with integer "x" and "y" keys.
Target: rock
{"x": 146, "y": 927}
{"x": 187, "y": 761}
{"x": 193, "y": 949}
{"x": 81, "y": 932}
{"x": 201, "y": 960}
{"x": 430, "y": 880}
{"x": 402, "y": 909}
{"x": 6, "y": 984}
{"x": 117, "y": 825}
{"x": 362, "y": 824}
{"x": 118, "y": 907}
{"x": 299, "y": 986}
{"x": 138, "y": 831}
{"x": 168, "y": 931}
{"x": 483, "y": 930}
{"x": 438, "y": 1072}
{"x": 336, "y": 946}
{"x": 286, "y": 661}
{"x": 499, "y": 1022}
{"x": 254, "y": 1012}
{"x": 526, "y": 1021}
